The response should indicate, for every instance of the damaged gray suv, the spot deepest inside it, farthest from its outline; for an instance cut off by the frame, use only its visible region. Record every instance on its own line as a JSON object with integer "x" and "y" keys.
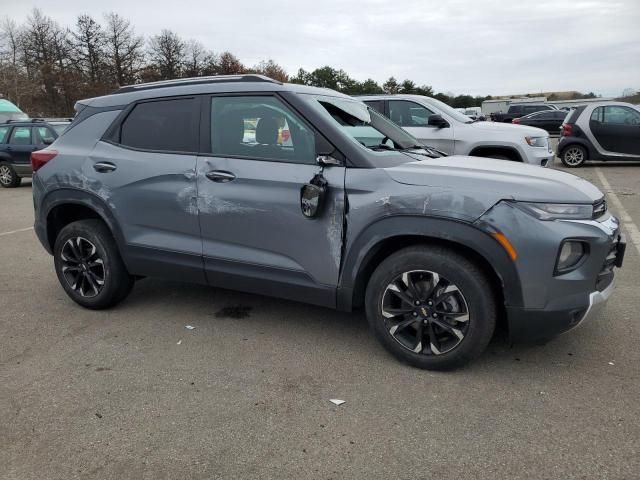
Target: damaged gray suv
{"x": 303, "y": 193}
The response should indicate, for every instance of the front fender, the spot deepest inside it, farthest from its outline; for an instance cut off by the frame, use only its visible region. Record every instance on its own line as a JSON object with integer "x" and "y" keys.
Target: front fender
{"x": 371, "y": 238}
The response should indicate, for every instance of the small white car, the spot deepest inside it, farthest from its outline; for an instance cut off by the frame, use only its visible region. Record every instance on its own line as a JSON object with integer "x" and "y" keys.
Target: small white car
{"x": 440, "y": 126}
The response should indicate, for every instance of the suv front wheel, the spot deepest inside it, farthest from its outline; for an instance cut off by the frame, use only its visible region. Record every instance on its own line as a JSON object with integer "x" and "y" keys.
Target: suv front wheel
{"x": 8, "y": 176}
{"x": 431, "y": 307}
{"x": 89, "y": 266}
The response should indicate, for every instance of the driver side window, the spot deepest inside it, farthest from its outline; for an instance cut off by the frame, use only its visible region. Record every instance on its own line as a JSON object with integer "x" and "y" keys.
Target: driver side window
{"x": 620, "y": 115}
{"x": 260, "y": 128}
{"x": 409, "y": 114}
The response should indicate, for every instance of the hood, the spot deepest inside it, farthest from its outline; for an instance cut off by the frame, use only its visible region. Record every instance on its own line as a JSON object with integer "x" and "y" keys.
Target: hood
{"x": 502, "y": 178}
{"x": 509, "y": 128}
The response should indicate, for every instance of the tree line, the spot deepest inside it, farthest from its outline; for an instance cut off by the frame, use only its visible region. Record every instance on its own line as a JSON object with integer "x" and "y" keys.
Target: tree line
{"x": 45, "y": 67}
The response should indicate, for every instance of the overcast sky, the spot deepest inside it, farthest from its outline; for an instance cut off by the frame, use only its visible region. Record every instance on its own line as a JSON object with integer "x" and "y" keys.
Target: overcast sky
{"x": 463, "y": 46}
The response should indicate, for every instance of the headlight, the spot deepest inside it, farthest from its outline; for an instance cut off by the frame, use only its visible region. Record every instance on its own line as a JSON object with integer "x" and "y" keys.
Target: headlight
{"x": 557, "y": 211}
{"x": 569, "y": 256}
{"x": 536, "y": 141}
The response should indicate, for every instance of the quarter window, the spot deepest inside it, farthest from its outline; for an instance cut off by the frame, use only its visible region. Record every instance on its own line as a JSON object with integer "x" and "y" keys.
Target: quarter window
{"x": 3, "y": 133}
{"x": 164, "y": 125}
{"x": 409, "y": 114}
{"x": 259, "y": 127}
{"x": 20, "y": 136}
{"x": 44, "y": 135}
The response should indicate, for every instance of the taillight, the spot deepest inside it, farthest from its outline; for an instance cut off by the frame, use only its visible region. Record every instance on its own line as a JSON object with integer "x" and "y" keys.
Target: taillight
{"x": 567, "y": 130}
{"x": 515, "y": 120}
{"x": 40, "y": 157}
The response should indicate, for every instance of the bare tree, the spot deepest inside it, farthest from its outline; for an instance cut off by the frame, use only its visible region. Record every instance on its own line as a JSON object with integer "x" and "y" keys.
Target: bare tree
{"x": 166, "y": 53}
{"x": 198, "y": 60}
{"x": 46, "y": 55}
{"x": 124, "y": 49}
{"x": 11, "y": 74}
{"x": 89, "y": 43}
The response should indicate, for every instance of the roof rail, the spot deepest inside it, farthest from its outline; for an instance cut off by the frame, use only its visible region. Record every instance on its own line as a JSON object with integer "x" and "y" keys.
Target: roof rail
{"x": 196, "y": 81}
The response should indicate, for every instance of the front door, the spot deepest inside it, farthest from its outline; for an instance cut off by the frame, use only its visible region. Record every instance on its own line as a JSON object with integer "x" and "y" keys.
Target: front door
{"x": 414, "y": 118}
{"x": 255, "y": 237}
{"x": 616, "y": 128}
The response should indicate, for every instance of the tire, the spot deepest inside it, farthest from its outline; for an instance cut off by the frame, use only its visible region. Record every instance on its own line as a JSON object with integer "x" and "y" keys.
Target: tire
{"x": 460, "y": 288}
{"x": 574, "y": 156}
{"x": 8, "y": 176}
{"x": 81, "y": 272}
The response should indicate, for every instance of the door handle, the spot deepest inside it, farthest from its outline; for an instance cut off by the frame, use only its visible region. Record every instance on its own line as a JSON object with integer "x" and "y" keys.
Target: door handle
{"x": 104, "y": 167}
{"x": 220, "y": 176}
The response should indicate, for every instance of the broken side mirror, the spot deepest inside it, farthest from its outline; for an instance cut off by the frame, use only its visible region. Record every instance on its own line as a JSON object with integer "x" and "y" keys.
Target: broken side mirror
{"x": 326, "y": 154}
{"x": 312, "y": 196}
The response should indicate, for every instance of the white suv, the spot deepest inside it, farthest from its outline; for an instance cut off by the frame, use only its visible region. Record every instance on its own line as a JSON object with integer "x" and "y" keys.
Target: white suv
{"x": 440, "y": 126}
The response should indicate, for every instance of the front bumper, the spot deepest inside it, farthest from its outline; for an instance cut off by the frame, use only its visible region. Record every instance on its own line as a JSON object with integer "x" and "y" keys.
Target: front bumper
{"x": 553, "y": 302}
{"x": 564, "y": 314}
{"x": 542, "y": 156}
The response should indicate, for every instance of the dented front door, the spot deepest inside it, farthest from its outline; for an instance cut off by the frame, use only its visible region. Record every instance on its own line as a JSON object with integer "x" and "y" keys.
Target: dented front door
{"x": 255, "y": 236}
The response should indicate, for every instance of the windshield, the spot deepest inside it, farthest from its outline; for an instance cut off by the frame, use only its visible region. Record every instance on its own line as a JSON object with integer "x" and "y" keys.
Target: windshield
{"x": 363, "y": 124}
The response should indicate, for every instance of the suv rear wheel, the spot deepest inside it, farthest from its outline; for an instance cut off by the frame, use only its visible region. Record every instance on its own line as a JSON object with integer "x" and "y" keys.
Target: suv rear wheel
{"x": 8, "y": 176}
{"x": 89, "y": 266}
{"x": 431, "y": 307}
{"x": 574, "y": 156}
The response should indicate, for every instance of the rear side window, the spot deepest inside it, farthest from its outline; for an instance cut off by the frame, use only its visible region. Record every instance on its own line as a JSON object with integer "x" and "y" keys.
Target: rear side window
{"x": 164, "y": 125}
{"x": 43, "y": 135}
{"x": 3, "y": 133}
{"x": 20, "y": 136}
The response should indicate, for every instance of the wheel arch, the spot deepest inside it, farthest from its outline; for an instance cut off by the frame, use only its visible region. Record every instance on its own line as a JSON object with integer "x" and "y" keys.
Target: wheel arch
{"x": 580, "y": 142}
{"x": 389, "y": 235}
{"x": 484, "y": 150}
{"x": 64, "y": 206}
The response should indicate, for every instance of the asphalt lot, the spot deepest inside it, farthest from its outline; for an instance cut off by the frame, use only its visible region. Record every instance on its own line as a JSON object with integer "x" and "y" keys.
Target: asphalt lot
{"x": 130, "y": 393}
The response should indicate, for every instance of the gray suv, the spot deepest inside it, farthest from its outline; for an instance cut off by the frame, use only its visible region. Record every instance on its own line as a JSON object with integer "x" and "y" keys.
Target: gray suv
{"x": 303, "y": 193}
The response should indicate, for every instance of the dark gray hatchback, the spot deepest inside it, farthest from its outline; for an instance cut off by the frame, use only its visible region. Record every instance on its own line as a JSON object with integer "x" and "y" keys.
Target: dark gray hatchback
{"x": 304, "y": 193}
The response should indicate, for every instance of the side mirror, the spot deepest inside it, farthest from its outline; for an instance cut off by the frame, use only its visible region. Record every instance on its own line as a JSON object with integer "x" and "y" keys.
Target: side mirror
{"x": 326, "y": 154}
{"x": 436, "y": 120}
{"x": 312, "y": 196}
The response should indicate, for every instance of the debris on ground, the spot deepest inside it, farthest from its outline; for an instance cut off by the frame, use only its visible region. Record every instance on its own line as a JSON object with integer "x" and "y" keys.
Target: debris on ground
{"x": 336, "y": 401}
{"x": 189, "y": 327}
{"x": 611, "y": 363}
{"x": 179, "y": 342}
{"x": 234, "y": 311}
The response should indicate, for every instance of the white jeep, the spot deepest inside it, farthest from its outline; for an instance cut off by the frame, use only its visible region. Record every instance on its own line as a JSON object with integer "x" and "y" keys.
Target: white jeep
{"x": 440, "y": 126}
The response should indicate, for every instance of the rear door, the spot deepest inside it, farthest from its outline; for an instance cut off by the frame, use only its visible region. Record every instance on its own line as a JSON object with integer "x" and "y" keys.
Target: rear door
{"x": 414, "y": 118}
{"x": 616, "y": 128}
{"x": 255, "y": 237}
{"x": 145, "y": 172}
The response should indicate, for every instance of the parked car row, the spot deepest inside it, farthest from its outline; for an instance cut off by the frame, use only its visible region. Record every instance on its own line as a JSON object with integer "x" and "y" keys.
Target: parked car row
{"x": 350, "y": 211}
{"x": 18, "y": 139}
